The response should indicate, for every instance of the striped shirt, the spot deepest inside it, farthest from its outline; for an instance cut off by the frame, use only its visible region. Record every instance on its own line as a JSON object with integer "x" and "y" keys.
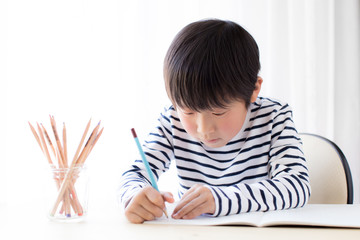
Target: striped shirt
{"x": 262, "y": 168}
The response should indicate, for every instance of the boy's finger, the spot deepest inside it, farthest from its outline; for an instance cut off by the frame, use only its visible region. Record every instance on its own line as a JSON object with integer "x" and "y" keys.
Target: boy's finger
{"x": 168, "y": 197}
{"x": 152, "y": 208}
{"x": 190, "y": 191}
{"x": 188, "y": 208}
{"x": 134, "y": 218}
{"x": 180, "y": 205}
{"x": 200, "y": 209}
{"x": 144, "y": 213}
{"x": 154, "y": 197}
{"x": 184, "y": 204}
{"x": 137, "y": 213}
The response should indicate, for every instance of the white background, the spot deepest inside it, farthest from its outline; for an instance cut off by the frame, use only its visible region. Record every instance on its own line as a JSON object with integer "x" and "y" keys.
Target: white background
{"x": 103, "y": 60}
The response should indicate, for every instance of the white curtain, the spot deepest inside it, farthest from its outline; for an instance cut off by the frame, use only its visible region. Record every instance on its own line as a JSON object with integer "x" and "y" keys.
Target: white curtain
{"x": 313, "y": 62}
{"x": 103, "y": 59}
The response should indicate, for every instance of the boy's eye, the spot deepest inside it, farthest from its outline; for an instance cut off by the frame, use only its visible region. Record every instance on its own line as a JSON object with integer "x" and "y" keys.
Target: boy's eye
{"x": 188, "y": 113}
{"x": 219, "y": 113}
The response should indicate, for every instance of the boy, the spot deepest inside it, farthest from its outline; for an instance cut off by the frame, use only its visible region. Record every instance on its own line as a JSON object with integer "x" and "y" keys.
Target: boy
{"x": 234, "y": 151}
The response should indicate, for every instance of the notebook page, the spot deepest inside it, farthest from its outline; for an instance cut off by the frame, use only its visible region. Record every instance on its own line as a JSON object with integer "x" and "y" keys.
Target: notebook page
{"x": 327, "y": 215}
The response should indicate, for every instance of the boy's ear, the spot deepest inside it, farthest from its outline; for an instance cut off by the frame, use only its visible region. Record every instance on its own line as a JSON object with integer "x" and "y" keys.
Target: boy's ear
{"x": 256, "y": 92}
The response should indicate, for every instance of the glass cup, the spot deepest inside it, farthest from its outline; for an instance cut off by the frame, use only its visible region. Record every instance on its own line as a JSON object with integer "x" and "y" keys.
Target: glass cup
{"x": 69, "y": 195}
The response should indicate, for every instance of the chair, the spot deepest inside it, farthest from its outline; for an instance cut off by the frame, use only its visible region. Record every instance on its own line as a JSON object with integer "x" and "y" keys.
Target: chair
{"x": 329, "y": 172}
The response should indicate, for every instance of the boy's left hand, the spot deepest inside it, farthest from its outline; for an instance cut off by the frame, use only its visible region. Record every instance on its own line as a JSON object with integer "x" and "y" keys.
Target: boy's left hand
{"x": 196, "y": 201}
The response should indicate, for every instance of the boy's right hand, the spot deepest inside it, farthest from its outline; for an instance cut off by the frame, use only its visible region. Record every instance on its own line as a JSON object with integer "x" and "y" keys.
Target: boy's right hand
{"x": 147, "y": 204}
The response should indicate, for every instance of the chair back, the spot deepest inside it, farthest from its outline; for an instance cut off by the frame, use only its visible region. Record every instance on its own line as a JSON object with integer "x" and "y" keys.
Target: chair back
{"x": 329, "y": 172}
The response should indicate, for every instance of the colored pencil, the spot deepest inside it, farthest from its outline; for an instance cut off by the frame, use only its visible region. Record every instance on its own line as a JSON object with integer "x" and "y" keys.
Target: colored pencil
{"x": 146, "y": 163}
{"x": 36, "y": 136}
{"x": 58, "y": 143}
{"x": 65, "y": 146}
{"x": 44, "y": 147}
{"x": 48, "y": 139}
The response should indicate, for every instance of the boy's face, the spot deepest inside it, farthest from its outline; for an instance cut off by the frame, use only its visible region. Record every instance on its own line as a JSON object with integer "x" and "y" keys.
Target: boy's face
{"x": 214, "y": 128}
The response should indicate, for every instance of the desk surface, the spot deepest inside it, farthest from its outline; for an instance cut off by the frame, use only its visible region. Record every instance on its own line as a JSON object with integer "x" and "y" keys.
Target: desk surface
{"x": 22, "y": 221}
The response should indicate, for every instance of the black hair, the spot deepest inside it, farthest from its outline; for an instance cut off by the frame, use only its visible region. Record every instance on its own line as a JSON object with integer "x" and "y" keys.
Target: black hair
{"x": 211, "y": 63}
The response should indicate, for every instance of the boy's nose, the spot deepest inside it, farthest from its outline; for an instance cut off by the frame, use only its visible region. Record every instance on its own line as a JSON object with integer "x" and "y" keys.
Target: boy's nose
{"x": 204, "y": 125}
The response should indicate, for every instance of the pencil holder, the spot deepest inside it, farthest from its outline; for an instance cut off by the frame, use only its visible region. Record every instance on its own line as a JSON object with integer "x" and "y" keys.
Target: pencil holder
{"x": 69, "y": 195}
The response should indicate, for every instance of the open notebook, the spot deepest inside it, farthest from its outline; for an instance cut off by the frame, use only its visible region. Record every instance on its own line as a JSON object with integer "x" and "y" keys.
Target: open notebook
{"x": 324, "y": 215}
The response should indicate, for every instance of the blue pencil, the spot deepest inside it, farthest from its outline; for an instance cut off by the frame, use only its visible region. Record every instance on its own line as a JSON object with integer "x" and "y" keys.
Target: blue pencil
{"x": 146, "y": 163}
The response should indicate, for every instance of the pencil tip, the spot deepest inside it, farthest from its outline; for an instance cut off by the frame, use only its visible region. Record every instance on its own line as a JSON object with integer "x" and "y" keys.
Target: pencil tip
{"x": 133, "y": 133}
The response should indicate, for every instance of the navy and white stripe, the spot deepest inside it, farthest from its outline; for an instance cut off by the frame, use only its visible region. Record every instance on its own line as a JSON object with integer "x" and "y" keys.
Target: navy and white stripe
{"x": 262, "y": 168}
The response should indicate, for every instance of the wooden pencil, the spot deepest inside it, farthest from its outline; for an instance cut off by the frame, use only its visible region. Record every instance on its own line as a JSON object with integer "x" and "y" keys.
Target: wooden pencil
{"x": 36, "y": 136}
{"x": 44, "y": 145}
{"x": 73, "y": 163}
{"x": 58, "y": 143}
{"x": 68, "y": 198}
{"x": 48, "y": 139}
{"x": 65, "y": 146}
{"x": 96, "y": 139}
{"x": 87, "y": 147}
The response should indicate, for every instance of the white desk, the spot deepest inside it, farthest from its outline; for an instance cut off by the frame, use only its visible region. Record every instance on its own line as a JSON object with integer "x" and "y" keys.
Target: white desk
{"x": 106, "y": 222}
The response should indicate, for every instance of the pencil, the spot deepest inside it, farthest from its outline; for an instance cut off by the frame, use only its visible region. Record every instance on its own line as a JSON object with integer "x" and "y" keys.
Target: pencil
{"x": 86, "y": 150}
{"x": 36, "y": 136}
{"x": 57, "y": 140}
{"x": 48, "y": 139}
{"x": 65, "y": 146}
{"x": 146, "y": 163}
{"x": 44, "y": 147}
{"x": 80, "y": 144}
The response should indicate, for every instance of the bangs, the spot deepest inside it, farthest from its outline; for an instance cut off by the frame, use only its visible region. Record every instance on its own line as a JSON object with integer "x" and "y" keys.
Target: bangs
{"x": 198, "y": 88}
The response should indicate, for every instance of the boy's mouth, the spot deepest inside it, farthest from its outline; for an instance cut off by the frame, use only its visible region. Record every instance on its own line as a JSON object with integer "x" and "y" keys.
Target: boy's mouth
{"x": 211, "y": 141}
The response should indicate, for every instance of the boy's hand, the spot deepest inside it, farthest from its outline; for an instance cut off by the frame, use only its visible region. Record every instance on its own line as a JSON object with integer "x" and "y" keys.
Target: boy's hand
{"x": 147, "y": 204}
{"x": 196, "y": 201}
